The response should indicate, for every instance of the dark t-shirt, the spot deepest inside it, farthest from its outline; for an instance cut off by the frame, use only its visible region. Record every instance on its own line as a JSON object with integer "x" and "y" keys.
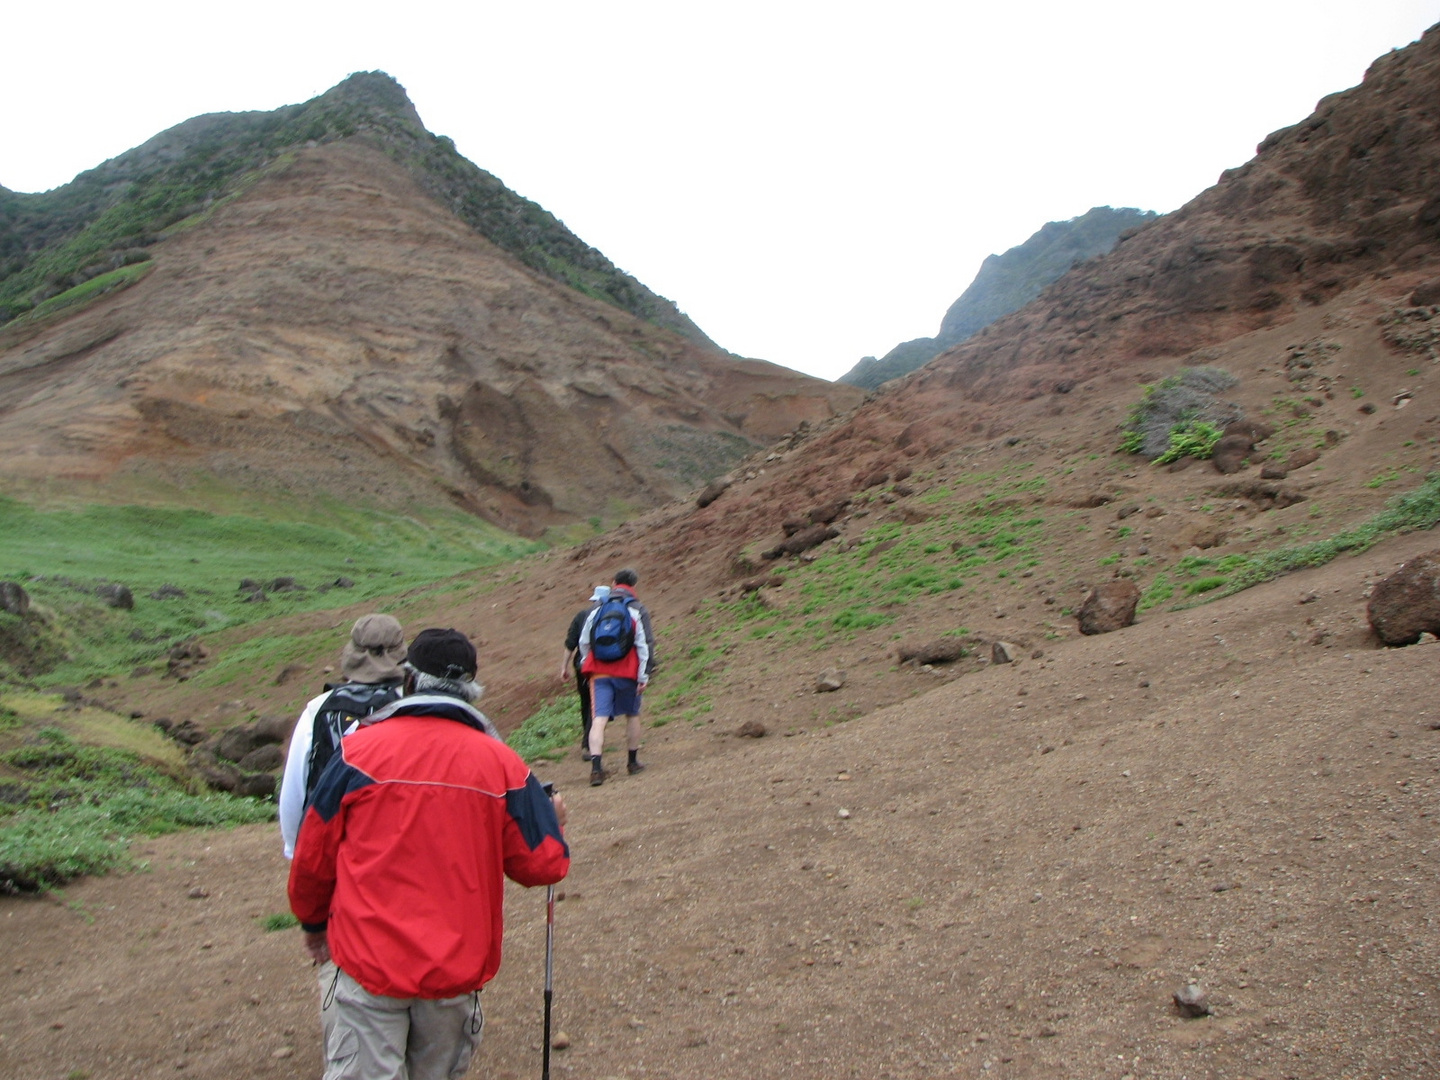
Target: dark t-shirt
{"x": 572, "y": 636}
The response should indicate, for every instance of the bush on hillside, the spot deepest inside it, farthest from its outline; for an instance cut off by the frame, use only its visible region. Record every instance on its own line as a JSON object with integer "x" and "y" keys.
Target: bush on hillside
{"x": 1177, "y": 416}
{"x": 78, "y": 808}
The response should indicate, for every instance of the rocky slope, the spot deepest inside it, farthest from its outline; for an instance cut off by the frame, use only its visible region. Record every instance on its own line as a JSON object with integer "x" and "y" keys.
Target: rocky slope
{"x": 959, "y": 867}
{"x": 1006, "y": 282}
{"x": 336, "y": 328}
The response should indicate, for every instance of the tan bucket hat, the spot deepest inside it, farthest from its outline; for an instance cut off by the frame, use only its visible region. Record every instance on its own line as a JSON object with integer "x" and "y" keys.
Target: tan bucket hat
{"x": 375, "y": 651}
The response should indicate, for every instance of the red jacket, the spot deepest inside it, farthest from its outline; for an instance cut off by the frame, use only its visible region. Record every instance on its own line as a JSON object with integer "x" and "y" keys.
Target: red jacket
{"x": 404, "y": 848}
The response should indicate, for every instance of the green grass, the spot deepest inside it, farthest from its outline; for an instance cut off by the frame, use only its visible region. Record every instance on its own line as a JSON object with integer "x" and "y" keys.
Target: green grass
{"x": 277, "y": 920}
{"x": 549, "y": 731}
{"x": 1212, "y": 578}
{"x": 78, "y": 807}
{"x": 93, "y": 289}
{"x": 61, "y": 555}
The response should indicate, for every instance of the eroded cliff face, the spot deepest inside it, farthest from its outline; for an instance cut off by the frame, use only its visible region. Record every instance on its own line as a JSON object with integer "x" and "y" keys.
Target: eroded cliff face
{"x": 336, "y": 330}
{"x": 1326, "y": 244}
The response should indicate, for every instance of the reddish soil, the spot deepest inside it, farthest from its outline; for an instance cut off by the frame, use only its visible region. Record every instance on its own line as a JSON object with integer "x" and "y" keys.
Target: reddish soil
{"x": 1036, "y": 857}
{"x": 1033, "y": 857}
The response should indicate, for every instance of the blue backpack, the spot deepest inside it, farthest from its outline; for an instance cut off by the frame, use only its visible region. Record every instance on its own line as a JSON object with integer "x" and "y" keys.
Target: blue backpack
{"x": 612, "y": 634}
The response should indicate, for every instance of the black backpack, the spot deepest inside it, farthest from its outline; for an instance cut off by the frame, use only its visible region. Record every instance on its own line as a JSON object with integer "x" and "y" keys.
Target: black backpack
{"x": 612, "y": 634}
{"x": 345, "y": 705}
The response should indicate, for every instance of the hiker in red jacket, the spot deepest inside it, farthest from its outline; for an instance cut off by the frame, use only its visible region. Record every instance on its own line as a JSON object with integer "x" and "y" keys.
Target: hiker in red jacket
{"x": 617, "y": 652}
{"x": 400, "y": 864}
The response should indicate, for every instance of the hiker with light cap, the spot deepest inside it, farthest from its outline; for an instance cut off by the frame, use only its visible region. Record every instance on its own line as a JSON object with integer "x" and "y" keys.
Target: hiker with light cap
{"x": 371, "y": 679}
{"x": 400, "y": 864}
{"x": 571, "y": 662}
{"x": 370, "y": 666}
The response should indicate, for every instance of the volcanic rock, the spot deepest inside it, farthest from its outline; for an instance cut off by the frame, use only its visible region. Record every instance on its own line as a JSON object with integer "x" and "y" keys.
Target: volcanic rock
{"x": 262, "y": 759}
{"x": 828, "y": 681}
{"x": 116, "y": 596}
{"x": 1231, "y": 453}
{"x": 1108, "y": 607}
{"x": 712, "y": 491}
{"x": 1407, "y": 603}
{"x": 751, "y": 729}
{"x": 14, "y": 600}
{"x": 939, "y": 651}
{"x": 235, "y": 744}
{"x": 1003, "y": 652}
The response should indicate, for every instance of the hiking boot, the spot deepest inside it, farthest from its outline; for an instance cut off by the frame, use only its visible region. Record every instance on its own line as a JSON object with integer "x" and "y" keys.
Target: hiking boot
{"x": 633, "y": 767}
{"x": 597, "y": 777}
{"x": 585, "y": 754}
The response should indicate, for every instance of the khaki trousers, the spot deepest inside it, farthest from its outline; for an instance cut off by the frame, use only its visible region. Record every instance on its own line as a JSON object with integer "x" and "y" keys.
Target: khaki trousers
{"x": 385, "y": 1038}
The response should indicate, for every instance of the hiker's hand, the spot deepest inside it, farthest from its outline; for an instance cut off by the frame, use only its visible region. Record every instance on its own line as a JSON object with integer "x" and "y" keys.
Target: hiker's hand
{"x": 564, "y": 672}
{"x": 318, "y": 946}
{"x": 561, "y": 814}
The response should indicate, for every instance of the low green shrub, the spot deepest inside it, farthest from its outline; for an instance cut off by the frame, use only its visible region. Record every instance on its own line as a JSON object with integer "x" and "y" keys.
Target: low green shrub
{"x": 549, "y": 731}
{"x": 80, "y": 806}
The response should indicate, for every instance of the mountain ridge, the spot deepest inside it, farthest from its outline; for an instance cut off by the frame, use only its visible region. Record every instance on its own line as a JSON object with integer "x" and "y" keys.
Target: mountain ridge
{"x": 111, "y": 214}
{"x": 1004, "y": 283}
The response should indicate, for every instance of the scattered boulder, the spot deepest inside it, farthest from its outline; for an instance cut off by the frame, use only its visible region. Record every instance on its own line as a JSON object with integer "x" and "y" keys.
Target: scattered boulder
{"x": 825, "y": 514}
{"x": 256, "y": 597}
{"x": 286, "y": 584}
{"x": 772, "y": 581}
{"x": 168, "y": 592}
{"x": 1002, "y": 652}
{"x": 262, "y": 759}
{"x": 1253, "y": 430}
{"x": 1092, "y": 502}
{"x": 1264, "y": 496}
{"x": 871, "y": 479}
{"x": 1126, "y": 510}
{"x": 712, "y": 491}
{"x": 14, "y": 600}
{"x": 256, "y": 785}
{"x": 288, "y": 672}
{"x": 1407, "y": 603}
{"x": 939, "y": 651}
{"x": 1192, "y": 1001}
{"x": 220, "y": 775}
{"x": 186, "y": 732}
{"x": 248, "y": 585}
{"x": 751, "y": 729}
{"x": 272, "y": 729}
{"x": 802, "y": 541}
{"x": 794, "y": 525}
{"x": 235, "y": 744}
{"x": 829, "y": 680}
{"x": 116, "y": 595}
{"x": 184, "y": 658}
{"x": 342, "y": 583}
{"x": 1108, "y": 607}
{"x": 1427, "y": 295}
{"x": 1207, "y": 537}
{"x": 1273, "y": 471}
{"x": 1231, "y": 453}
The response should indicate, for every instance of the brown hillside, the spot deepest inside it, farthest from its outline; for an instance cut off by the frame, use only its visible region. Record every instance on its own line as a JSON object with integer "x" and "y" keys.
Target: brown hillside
{"x": 334, "y": 329}
{"x": 1032, "y": 857}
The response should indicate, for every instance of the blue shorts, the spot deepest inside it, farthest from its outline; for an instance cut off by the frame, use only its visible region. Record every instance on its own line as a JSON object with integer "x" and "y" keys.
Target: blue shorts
{"x": 614, "y": 697}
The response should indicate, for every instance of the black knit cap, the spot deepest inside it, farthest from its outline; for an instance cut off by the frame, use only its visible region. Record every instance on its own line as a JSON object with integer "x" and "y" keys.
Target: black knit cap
{"x": 446, "y": 654}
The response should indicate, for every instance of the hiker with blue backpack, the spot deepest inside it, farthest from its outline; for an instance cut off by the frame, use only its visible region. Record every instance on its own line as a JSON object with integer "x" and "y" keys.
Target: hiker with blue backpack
{"x": 616, "y": 652}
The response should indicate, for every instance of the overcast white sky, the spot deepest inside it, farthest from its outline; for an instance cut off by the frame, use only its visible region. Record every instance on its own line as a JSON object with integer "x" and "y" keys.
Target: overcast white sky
{"x": 811, "y": 182}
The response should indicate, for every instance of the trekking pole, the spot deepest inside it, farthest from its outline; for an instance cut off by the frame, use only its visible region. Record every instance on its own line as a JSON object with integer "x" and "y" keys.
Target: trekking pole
{"x": 549, "y": 975}
{"x": 549, "y": 787}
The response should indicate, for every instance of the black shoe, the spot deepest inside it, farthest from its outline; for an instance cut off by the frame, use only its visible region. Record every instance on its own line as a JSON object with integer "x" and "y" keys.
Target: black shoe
{"x": 585, "y": 754}
{"x": 597, "y": 777}
{"x": 634, "y": 766}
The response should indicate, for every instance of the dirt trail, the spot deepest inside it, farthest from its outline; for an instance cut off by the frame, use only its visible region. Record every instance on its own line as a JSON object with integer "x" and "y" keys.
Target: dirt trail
{"x": 1035, "y": 857}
